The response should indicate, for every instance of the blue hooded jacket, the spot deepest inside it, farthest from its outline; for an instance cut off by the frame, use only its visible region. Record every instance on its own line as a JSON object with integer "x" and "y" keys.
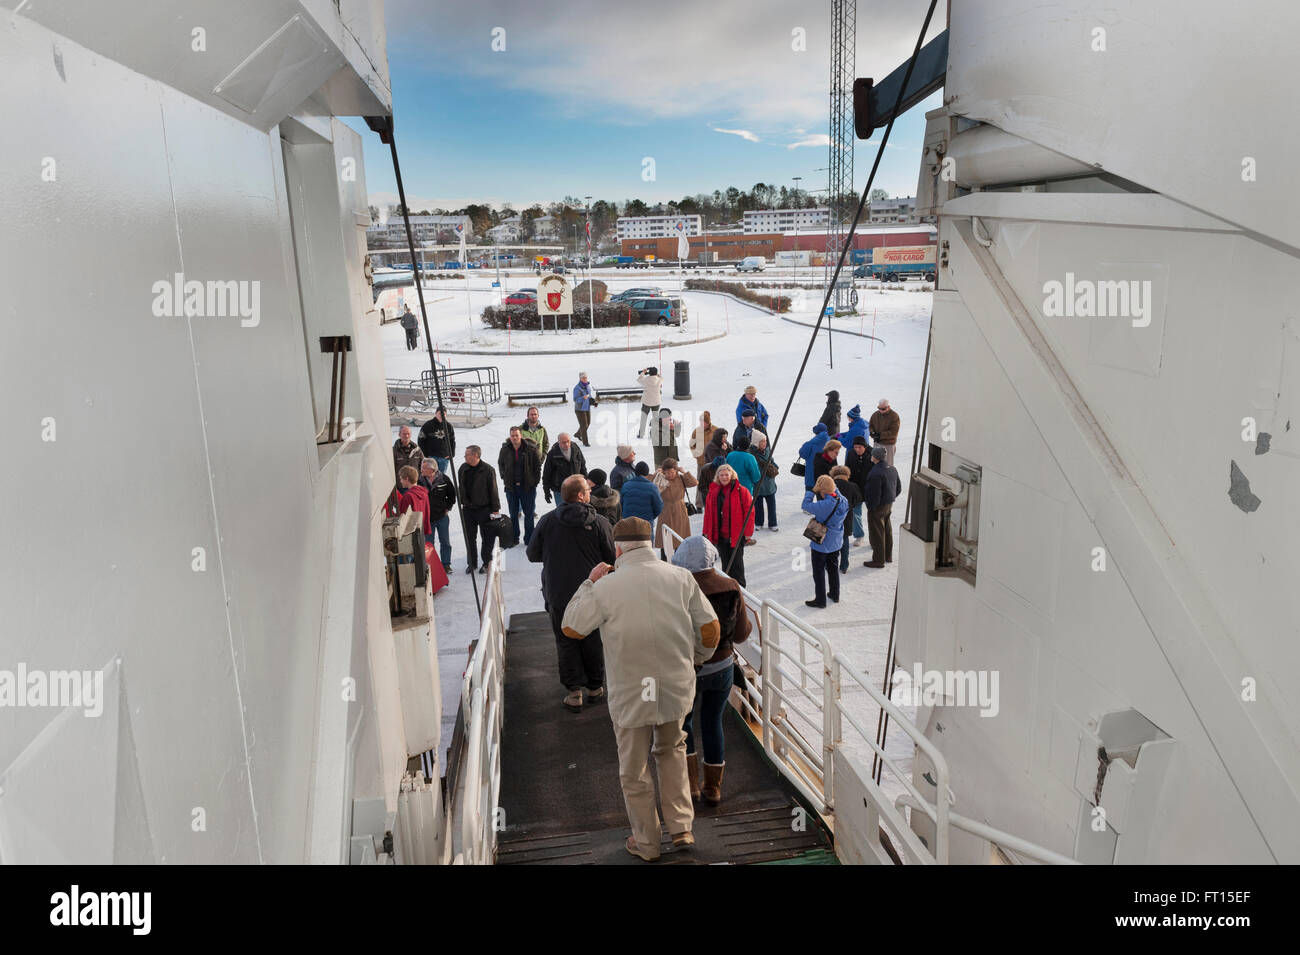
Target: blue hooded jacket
{"x": 756, "y": 406}
{"x": 830, "y": 511}
{"x": 809, "y": 450}
{"x": 857, "y": 426}
{"x": 641, "y": 499}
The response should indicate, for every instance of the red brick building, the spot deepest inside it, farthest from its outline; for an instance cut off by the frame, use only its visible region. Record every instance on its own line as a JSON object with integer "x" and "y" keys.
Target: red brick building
{"x": 732, "y": 247}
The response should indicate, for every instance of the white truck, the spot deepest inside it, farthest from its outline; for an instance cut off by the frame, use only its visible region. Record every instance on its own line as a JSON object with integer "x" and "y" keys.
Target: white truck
{"x": 752, "y": 263}
{"x": 897, "y": 262}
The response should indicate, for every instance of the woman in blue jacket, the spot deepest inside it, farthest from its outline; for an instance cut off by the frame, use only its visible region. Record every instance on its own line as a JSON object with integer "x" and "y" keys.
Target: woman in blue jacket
{"x": 857, "y": 426}
{"x": 826, "y": 504}
{"x": 809, "y": 451}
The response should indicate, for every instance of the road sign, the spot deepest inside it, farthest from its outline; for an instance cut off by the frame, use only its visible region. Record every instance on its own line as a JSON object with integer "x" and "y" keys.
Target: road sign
{"x": 554, "y": 296}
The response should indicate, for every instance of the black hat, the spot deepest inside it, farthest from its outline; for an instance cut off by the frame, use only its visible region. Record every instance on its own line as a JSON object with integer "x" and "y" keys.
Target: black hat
{"x": 833, "y": 395}
{"x": 860, "y": 440}
{"x": 596, "y": 476}
{"x": 642, "y": 468}
{"x": 748, "y": 413}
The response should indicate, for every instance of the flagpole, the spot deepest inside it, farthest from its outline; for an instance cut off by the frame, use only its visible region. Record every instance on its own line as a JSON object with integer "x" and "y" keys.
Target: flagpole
{"x": 591, "y": 291}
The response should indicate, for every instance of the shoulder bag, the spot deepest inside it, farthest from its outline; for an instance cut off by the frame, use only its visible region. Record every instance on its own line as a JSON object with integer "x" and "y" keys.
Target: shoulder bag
{"x": 691, "y": 509}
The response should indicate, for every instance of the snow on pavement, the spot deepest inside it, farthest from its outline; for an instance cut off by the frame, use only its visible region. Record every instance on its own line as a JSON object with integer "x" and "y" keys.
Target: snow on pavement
{"x": 758, "y": 349}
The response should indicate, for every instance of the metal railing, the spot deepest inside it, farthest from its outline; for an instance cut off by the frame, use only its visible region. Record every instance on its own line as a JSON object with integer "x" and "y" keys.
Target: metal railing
{"x": 802, "y": 718}
{"x": 472, "y": 815}
{"x": 466, "y": 393}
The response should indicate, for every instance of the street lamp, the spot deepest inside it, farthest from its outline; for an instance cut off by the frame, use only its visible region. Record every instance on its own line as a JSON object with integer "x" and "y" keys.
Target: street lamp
{"x": 797, "y": 180}
{"x": 591, "y": 285}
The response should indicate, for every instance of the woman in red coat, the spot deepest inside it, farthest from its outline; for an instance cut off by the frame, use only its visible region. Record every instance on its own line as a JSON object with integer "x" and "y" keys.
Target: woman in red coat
{"x": 728, "y": 520}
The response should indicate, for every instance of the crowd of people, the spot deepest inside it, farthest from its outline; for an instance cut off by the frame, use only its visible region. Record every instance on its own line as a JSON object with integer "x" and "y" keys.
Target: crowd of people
{"x": 674, "y": 609}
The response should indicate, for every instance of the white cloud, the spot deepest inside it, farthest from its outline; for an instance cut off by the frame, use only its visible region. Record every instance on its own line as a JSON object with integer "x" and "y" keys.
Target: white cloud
{"x": 742, "y": 133}
{"x": 817, "y": 139}
{"x": 633, "y": 66}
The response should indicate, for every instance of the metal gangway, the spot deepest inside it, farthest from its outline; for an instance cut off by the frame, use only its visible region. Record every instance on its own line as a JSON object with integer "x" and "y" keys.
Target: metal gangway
{"x": 793, "y": 698}
{"x": 466, "y": 392}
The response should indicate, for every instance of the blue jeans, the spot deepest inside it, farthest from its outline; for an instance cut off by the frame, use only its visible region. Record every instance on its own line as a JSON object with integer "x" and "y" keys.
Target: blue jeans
{"x": 522, "y": 499}
{"x": 442, "y": 528}
{"x": 711, "y": 694}
{"x": 444, "y": 465}
{"x": 858, "y": 531}
{"x": 771, "y": 509}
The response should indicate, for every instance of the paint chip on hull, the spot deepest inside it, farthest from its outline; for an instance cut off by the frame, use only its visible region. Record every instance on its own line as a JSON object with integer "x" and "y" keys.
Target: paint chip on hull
{"x": 1239, "y": 490}
{"x": 58, "y": 63}
{"x": 1262, "y": 442}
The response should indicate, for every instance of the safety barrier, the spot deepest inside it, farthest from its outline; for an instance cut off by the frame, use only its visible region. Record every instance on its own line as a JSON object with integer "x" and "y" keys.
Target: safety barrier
{"x": 472, "y": 815}
{"x": 802, "y": 717}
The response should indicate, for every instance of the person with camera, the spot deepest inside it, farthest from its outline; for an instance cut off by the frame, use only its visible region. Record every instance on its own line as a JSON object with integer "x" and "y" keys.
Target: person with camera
{"x": 651, "y": 389}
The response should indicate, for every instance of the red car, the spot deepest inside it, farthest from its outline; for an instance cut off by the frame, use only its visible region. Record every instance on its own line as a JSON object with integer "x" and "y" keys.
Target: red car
{"x": 521, "y": 298}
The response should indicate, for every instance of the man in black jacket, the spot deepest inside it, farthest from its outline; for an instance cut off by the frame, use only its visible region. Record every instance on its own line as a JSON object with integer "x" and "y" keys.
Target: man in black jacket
{"x": 563, "y": 460}
{"x": 831, "y": 413}
{"x": 883, "y": 486}
{"x": 568, "y": 542}
{"x": 858, "y": 458}
{"x": 478, "y": 489}
{"x": 520, "y": 464}
{"x": 442, "y": 498}
{"x": 438, "y": 440}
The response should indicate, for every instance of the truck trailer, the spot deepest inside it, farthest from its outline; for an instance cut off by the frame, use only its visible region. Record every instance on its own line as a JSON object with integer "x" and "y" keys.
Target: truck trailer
{"x": 895, "y": 263}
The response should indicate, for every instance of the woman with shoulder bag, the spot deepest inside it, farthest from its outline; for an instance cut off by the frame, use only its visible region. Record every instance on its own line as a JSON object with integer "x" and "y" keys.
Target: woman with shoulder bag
{"x": 713, "y": 681}
{"x": 826, "y": 531}
{"x": 765, "y": 490}
{"x": 673, "y": 483}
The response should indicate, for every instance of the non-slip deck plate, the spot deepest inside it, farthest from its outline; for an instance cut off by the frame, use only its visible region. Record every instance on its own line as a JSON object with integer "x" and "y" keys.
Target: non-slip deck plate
{"x": 560, "y": 789}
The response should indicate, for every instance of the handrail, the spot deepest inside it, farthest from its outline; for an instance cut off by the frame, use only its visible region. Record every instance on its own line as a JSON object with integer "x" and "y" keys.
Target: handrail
{"x": 777, "y": 728}
{"x": 995, "y": 836}
{"x": 474, "y": 806}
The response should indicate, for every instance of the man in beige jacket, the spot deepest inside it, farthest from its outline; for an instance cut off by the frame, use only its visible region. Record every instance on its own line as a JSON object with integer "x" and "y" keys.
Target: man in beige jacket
{"x": 656, "y": 626}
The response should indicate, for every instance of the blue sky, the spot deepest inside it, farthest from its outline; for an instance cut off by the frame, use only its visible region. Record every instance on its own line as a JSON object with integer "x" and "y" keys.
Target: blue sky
{"x": 725, "y": 94}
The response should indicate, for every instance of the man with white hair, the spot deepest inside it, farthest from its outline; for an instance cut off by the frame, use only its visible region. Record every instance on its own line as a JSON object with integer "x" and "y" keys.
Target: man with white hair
{"x": 883, "y": 426}
{"x": 656, "y": 627}
{"x": 405, "y": 451}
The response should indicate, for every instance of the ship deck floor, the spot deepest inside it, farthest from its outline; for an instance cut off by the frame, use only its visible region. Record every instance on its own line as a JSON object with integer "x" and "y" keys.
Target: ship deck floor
{"x": 560, "y": 789}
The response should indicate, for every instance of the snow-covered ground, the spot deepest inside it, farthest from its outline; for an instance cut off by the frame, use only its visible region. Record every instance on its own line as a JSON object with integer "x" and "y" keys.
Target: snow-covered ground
{"x": 758, "y": 349}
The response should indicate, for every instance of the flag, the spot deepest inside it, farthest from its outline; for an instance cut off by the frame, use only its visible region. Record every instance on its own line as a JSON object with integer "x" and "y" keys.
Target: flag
{"x": 588, "y": 237}
{"x": 461, "y": 229}
{"x": 683, "y": 244}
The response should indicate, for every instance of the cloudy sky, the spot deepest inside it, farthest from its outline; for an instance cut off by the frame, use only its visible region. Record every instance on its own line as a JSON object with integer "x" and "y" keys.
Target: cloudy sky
{"x": 716, "y": 94}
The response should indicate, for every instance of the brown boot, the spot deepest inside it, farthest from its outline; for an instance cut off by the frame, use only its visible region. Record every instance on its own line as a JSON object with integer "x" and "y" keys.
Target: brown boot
{"x": 712, "y": 791}
{"x": 693, "y": 775}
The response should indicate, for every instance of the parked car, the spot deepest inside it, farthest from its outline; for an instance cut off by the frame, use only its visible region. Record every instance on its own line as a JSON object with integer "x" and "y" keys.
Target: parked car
{"x": 679, "y": 305}
{"x": 862, "y": 272}
{"x": 521, "y": 298}
{"x": 655, "y": 311}
{"x": 633, "y": 293}
{"x": 751, "y": 263}
{"x": 558, "y": 270}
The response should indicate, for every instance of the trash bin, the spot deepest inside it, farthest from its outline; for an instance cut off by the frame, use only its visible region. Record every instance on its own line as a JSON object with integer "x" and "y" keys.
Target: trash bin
{"x": 681, "y": 380}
